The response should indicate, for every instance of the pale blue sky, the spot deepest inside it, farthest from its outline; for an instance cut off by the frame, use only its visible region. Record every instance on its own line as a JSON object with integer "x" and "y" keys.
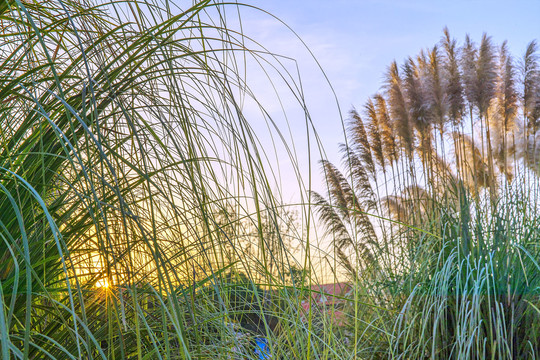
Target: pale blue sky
{"x": 355, "y": 41}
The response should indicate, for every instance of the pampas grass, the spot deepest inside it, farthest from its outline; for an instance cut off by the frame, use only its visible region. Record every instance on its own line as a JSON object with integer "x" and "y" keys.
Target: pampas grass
{"x": 137, "y": 219}
{"x": 454, "y": 273}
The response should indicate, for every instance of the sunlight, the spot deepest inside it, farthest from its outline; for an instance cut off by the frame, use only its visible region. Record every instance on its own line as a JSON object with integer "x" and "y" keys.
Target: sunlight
{"x": 103, "y": 283}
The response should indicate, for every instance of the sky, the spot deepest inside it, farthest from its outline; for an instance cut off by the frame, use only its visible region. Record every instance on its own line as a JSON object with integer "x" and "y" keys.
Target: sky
{"x": 354, "y": 41}
{"x": 336, "y": 53}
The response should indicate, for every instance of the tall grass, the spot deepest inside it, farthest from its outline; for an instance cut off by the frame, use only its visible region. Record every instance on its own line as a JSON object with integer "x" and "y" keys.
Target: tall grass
{"x": 136, "y": 213}
{"x": 137, "y": 217}
{"x": 435, "y": 219}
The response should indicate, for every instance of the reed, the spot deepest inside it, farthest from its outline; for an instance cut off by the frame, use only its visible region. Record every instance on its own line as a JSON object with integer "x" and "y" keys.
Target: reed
{"x": 452, "y": 246}
{"x": 137, "y": 217}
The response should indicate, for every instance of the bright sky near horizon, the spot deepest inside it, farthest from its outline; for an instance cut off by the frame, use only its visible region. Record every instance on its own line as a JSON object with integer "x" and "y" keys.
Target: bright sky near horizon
{"x": 355, "y": 40}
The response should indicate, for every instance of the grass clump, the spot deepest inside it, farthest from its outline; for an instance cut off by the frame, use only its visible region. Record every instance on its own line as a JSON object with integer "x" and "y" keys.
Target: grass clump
{"x": 137, "y": 217}
{"x": 435, "y": 219}
{"x": 132, "y": 187}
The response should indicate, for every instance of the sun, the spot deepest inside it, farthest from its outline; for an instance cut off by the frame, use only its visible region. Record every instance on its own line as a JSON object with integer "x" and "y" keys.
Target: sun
{"x": 103, "y": 283}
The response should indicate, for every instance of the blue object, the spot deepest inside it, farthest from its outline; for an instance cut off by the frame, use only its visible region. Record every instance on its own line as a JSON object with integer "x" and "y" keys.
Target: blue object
{"x": 261, "y": 348}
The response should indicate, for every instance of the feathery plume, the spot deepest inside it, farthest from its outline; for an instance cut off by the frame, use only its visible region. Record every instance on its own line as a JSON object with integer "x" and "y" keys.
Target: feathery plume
{"x": 479, "y": 73}
{"x": 434, "y": 89}
{"x": 416, "y": 101}
{"x": 336, "y": 228}
{"x": 332, "y": 221}
{"x": 454, "y": 89}
{"x": 339, "y": 190}
{"x": 530, "y": 71}
{"x": 358, "y": 174}
{"x": 502, "y": 123}
{"x": 469, "y": 54}
{"x": 375, "y": 133}
{"x": 360, "y": 141}
{"x": 473, "y": 168}
{"x": 346, "y": 263}
{"x": 417, "y": 91}
{"x": 387, "y": 131}
{"x": 506, "y": 95}
{"x": 396, "y": 207}
{"x": 486, "y": 75}
{"x": 347, "y": 204}
{"x": 444, "y": 174}
{"x": 399, "y": 110}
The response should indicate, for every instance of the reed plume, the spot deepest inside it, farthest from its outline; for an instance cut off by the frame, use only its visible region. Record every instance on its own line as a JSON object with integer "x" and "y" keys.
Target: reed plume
{"x": 353, "y": 234}
{"x": 415, "y": 96}
{"x": 339, "y": 190}
{"x": 399, "y": 111}
{"x": 375, "y": 133}
{"x": 469, "y": 54}
{"x": 452, "y": 76}
{"x": 359, "y": 178}
{"x": 360, "y": 141}
{"x": 485, "y": 76}
{"x": 504, "y": 113}
{"x": 389, "y": 145}
{"x": 473, "y": 166}
{"x": 435, "y": 88}
{"x": 397, "y": 207}
{"x": 444, "y": 175}
{"x": 530, "y": 72}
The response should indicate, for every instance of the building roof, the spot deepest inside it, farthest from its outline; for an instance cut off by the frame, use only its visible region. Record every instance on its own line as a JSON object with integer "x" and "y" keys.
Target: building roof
{"x": 327, "y": 296}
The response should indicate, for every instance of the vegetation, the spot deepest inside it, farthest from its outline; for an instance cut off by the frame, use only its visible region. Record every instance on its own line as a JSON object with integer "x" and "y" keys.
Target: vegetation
{"x": 131, "y": 183}
{"x": 438, "y": 209}
{"x": 138, "y": 221}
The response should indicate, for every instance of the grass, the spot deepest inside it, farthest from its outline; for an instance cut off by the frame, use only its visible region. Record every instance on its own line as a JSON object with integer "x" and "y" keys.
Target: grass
{"x": 435, "y": 217}
{"x": 138, "y": 221}
{"x": 133, "y": 186}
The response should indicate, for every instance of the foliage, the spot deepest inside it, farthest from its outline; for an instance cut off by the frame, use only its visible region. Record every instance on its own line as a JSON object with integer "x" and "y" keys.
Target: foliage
{"x": 137, "y": 218}
{"x": 123, "y": 146}
{"x": 435, "y": 218}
